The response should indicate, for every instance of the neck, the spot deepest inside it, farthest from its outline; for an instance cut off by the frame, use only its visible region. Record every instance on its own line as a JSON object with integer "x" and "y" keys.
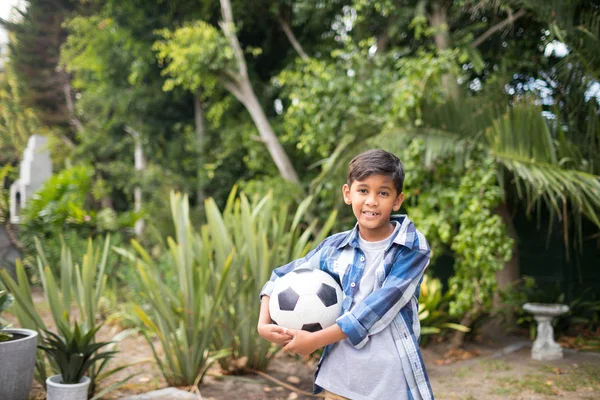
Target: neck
{"x": 376, "y": 237}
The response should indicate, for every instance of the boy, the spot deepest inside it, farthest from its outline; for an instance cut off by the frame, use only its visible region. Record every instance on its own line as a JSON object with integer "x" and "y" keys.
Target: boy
{"x": 373, "y": 350}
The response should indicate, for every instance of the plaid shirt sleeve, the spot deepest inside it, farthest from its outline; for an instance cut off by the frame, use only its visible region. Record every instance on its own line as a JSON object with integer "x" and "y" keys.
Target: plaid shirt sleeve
{"x": 311, "y": 260}
{"x": 379, "y": 308}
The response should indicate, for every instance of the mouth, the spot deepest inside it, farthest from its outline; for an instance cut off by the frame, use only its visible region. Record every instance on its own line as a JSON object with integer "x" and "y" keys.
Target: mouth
{"x": 370, "y": 214}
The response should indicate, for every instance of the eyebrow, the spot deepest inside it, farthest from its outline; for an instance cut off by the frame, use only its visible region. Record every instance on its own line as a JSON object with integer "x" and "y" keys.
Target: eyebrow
{"x": 382, "y": 187}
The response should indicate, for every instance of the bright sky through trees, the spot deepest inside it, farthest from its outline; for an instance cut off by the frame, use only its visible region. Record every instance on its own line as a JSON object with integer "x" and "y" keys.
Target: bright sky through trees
{"x": 6, "y": 7}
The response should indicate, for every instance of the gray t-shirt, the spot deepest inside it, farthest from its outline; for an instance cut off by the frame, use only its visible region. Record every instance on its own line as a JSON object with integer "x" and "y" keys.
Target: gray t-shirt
{"x": 374, "y": 371}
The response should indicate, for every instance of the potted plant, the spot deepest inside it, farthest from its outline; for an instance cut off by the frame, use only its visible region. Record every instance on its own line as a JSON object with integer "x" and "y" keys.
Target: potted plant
{"x": 17, "y": 356}
{"x": 74, "y": 353}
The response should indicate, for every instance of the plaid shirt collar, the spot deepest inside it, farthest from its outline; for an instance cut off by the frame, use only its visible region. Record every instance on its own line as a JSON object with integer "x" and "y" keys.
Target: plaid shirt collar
{"x": 400, "y": 235}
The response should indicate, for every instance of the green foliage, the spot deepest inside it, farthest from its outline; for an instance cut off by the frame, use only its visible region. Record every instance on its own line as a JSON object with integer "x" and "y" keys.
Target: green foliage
{"x": 64, "y": 204}
{"x": 355, "y": 94}
{"x": 75, "y": 351}
{"x": 4, "y": 194}
{"x": 196, "y": 56}
{"x": 454, "y": 206}
{"x": 260, "y": 234}
{"x": 433, "y": 309}
{"x": 183, "y": 317}
{"x": 17, "y": 122}
{"x": 80, "y": 283}
{"x": 280, "y": 189}
{"x": 6, "y": 300}
{"x": 482, "y": 245}
{"x": 34, "y": 57}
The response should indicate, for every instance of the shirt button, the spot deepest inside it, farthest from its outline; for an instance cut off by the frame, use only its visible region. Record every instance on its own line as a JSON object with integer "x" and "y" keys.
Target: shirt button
{"x": 353, "y": 284}
{"x": 362, "y": 259}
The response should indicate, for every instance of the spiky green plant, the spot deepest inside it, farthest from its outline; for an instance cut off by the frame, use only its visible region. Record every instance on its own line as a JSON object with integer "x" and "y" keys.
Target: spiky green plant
{"x": 6, "y": 301}
{"x": 75, "y": 351}
{"x": 182, "y": 317}
{"x": 81, "y": 284}
{"x": 262, "y": 234}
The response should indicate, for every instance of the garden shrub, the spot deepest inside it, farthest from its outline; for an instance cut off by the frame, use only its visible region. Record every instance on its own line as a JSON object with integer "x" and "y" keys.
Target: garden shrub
{"x": 65, "y": 210}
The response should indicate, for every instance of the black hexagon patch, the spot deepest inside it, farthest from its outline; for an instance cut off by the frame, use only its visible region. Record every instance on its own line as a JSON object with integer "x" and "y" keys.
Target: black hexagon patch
{"x": 312, "y": 327}
{"x": 288, "y": 299}
{"x": 327, "y": 295}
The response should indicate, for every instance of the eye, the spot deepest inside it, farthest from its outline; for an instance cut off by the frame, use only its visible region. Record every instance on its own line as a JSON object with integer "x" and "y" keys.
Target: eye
{"x": 363, "y": 191}
{"x": 384, "y": 194}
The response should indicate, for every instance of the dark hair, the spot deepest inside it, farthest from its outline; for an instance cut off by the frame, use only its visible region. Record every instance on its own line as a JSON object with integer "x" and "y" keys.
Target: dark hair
{"x": 376, "y": 162}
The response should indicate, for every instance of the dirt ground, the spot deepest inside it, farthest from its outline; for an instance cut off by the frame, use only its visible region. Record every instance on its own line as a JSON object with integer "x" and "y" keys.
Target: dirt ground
{"x": 501, "y": 369}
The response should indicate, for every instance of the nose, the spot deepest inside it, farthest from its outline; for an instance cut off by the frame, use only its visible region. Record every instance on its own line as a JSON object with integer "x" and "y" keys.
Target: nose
{"x": 372, "y": 200}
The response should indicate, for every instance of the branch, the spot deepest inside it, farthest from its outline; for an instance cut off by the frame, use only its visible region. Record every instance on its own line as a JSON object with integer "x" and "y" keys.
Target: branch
{"x": 234, "y": 90}
{"x": 227, "y": 26}
{"x": 511, "y": 18}
{"x": 292, "y": 38}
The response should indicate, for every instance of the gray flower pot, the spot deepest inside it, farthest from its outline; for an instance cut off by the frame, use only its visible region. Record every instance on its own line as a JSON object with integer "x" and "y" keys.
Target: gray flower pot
{"x": 17, "y": 362}
{"x": 56, "y": 390}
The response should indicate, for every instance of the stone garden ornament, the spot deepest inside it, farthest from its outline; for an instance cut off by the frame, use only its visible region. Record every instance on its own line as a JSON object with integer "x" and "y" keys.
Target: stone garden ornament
{"x": 545, "y": 348}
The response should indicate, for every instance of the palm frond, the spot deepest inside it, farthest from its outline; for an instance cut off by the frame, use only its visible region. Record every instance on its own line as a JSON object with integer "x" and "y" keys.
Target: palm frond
{"x": 522, "y": 142}
{"x": 544, "y": 163}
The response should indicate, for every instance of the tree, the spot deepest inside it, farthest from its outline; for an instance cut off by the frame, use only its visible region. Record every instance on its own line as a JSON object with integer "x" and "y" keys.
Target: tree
{"x": 17, "y": 122}
{"x": 221, "y": 60}
{"x": 34, "y": 52}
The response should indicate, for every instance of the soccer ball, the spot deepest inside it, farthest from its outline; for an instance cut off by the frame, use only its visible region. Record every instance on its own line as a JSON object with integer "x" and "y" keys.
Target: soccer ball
{"x": 308, "y": 299}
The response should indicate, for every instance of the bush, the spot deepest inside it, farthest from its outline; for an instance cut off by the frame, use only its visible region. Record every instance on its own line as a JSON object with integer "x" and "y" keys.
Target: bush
{"x": 63, "y": 210}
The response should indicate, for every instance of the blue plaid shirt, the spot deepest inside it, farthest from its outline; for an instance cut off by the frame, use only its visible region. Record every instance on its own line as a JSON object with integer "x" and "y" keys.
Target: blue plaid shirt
{"x": 394, "y": 302}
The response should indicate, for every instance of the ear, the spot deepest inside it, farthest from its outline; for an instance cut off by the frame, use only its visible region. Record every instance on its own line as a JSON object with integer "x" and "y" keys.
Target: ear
{"x": 346, "y": 193}
{"x": 398, "y": 201}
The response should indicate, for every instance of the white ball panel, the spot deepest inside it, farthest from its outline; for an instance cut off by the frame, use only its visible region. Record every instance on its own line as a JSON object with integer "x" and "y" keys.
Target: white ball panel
{"x": 331, "y": 314}
{"x": 305, "y": 282}
{"x": 309, "y": 309}
{"x": 287, "y": 319}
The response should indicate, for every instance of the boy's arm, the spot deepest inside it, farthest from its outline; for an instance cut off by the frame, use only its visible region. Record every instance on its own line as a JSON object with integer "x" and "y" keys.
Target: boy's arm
{"x": 379, "y": 308}
{"x": 266, "y": 329}
{"x": 304, "y": 343}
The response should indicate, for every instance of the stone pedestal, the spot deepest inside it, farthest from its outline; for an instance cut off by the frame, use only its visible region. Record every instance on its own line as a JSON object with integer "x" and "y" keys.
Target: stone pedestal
{"x": 545, "y": 348}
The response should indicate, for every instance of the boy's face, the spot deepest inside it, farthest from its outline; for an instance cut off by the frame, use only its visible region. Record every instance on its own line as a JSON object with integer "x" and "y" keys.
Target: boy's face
{"x": 373, "y": 200}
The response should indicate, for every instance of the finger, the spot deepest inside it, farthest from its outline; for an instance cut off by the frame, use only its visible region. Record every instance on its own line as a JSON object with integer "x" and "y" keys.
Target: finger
{"x": 291, "y": 332}
{"x": 284, "y": 337}
{"x": 277, "y": 329}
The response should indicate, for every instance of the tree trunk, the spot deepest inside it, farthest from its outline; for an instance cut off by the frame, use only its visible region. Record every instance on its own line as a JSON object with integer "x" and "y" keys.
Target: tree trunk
{"x": 69, "y": 102}
{"x": 439, "y": 21}
{"x": 511, "y": 271}
{"x": 200, "y": 134}
{"x": 140, "y": 166}
{"x": 286, "y": 169}
{"x": 241, "y": 88}
{"x": 458, "y": 338}
{"x": 292, "y": 38}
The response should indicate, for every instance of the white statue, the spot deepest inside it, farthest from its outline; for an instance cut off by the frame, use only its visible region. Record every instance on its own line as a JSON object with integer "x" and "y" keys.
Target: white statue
{"x": 36, "y": 168}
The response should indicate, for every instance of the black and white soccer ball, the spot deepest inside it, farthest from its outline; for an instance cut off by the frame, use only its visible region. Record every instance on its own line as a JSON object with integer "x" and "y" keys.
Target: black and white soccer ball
{"x": 308, "y": 299}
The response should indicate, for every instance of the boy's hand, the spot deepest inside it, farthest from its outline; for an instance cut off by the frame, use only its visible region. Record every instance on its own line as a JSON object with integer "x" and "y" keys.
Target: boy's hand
{"x": 274, "y": 333}
{"x": 302, "y": 342}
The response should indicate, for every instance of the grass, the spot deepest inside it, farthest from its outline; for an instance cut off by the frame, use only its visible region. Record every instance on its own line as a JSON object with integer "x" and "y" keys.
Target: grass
{"x": 463, "y": 372}
{"x": 495, "y": 365}
{"x": 552, "y": 381}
